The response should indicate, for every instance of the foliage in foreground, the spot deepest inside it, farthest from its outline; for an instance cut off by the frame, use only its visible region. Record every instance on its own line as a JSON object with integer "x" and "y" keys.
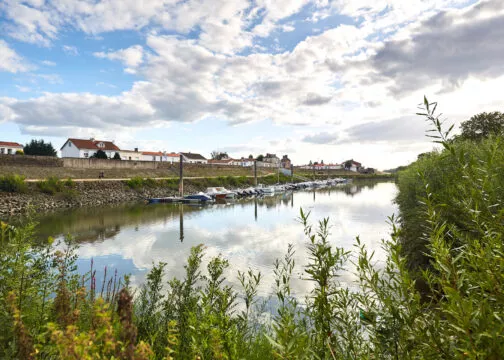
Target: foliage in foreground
{"x": 49, "y": 312}
{"x": 13, "y": 183}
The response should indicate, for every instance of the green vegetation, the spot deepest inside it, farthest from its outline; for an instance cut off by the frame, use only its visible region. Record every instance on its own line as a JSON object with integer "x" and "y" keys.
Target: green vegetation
{"x": 117, "y": 156}
{"x": 40, "y": 148}
{"x": 482, "y": 126}
{"x": 100, "y": 154}
{"x": 464, "y": 180}
{"x": 19, "y": 152}
{"x": 47, "y": 311}
{"x": 13, "y": 183}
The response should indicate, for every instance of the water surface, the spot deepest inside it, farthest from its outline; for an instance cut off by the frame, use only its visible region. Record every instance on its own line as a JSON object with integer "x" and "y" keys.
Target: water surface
{"x": 249, "y": 232}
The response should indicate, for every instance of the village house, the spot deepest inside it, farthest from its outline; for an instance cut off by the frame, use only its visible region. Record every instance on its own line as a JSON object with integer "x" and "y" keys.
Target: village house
{"x": 272, "y": 159}
{"x": 285, "y": 162}
{"x": 193, "y": 158}
{"x": 160, "y": 156}
{"x": 227, "y": 161}
{"x": 80, "y": 148}
{"x": 352, "y": 165}
{"x": 133, "y": 155}
{"x": 9, "y": 148}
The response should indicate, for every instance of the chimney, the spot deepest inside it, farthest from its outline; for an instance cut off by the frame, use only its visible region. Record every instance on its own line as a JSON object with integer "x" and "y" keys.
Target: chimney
{"x": 92, "y": 139}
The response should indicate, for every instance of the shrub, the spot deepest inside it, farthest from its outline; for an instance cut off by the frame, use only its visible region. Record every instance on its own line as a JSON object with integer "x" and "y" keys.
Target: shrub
{"x": 13, "y": 183}
{"x": 51, "y": 185}
{"x": 19, "y": 152}
{"x": 135, "y": 182}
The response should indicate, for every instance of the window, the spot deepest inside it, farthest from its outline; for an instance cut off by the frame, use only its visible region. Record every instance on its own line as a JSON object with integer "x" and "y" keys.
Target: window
{"x": 69, "y": 144}
{"x": 153, "y": 158}
{"x": 86, "y": 155}
{"x": 2, "y": 150}
{"x": 9, "y": 151}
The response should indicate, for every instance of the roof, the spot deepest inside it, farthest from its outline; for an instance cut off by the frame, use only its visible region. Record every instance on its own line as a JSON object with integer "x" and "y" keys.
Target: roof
{"x": 156, "y": 153}
{"x": 12, "y": 144}
{"x": 91, "y": 144}
{"x": 193, "y": 156}
{"x": 223, "y": 161}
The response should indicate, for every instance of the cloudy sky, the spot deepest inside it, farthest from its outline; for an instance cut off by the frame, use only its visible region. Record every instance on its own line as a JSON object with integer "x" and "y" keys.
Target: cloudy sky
{"x": 316, "y": 79}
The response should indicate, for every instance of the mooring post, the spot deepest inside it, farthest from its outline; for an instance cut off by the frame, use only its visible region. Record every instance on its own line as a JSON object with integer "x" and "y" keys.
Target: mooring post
{"x": 292, "y": 173}
{"x": 181, "y": 224}
{"x": 181, "y": 176}
{"x": 255, "y": 172}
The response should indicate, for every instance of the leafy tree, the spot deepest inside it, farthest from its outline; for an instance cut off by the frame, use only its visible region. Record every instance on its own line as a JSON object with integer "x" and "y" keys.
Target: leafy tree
{"x": 315, "y": 163}
{"x": 251, "y": 157}
{"x": 482, "y": 126}
{"x": 117, "y": 156}
{"x": 260, "y": 158}
{"x": 310, "y": 163}
{"x": 40, "y": 148}
{"x": 322, "y": 162}
{"x": 348, "y": 164}
{"x": 100, "y": 154}
{"x": 217, "y": 155}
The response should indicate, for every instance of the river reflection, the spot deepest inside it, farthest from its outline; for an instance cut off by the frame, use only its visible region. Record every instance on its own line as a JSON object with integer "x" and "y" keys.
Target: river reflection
{"x": 249, "y": 233}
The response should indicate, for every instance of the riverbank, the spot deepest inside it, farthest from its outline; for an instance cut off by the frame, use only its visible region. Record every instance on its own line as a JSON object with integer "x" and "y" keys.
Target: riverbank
{"x": 52, "y": 195}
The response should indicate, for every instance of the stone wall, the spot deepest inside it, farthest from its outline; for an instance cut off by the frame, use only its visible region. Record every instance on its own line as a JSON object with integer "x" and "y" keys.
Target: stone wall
{"x": 28, "y": 160}
{"x": 90, "y": 193}
{"x": 102, "y": 164}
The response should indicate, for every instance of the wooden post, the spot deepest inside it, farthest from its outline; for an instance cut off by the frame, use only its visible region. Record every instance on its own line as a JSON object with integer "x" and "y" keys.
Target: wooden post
{"x": 181, "y": 176}
{"x": 255, "y": 172}
{"x": 181, "y": 214}
{"x": 292, "y": 173}
{"x": 255, "y": 209}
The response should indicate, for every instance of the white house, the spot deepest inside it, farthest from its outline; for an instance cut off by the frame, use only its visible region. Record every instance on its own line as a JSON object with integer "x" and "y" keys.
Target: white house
{"x": 80, "y": 148}
{"x": 133, "y": 155}
{"x": 160, "y": 156}
{"x": 352, "y": 165}
{"x": 193, "y": 158}
{"x": 272, "y": 159}
{"x": 9, "y": 148}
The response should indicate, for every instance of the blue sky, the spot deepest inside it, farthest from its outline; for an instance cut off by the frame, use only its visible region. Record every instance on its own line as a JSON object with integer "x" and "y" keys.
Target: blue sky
{"x": 316, "y": 79}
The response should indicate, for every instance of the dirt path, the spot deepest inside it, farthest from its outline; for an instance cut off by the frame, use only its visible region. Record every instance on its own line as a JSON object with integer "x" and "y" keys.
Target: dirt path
{"x": 155, "y": 178}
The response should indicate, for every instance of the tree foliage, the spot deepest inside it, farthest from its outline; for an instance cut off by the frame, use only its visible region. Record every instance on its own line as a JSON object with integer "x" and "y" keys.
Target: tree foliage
{"x": 218, "y": 155}
{"x": 482, "y": 125}
{"x": 100, "y": 154}
{"x": 260, "y": 158}
{"x": 39, "y": 148}
{"x": 117, "y": 156}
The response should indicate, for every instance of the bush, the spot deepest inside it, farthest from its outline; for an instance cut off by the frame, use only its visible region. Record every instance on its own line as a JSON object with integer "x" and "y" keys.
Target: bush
{"x": 51, "y": 185}
{"x": 19, "y": 152}
{"x": 135, "y": 182}
{"x": 12, "y": 183}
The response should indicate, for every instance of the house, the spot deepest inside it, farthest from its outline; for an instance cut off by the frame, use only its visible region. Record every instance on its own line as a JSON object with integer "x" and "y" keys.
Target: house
{"x": 133, "y": 155}
{"x": 80, "y": 148}
{"x": 193, "y": 158}
{"x": 285, "y": 162}
{"x": 221, "y": 162}
{"x": 272, "y": 159}
{"x": 246, "y": 162}
{"x": 160, "y": 156}
{"x": 352, "y": 165}
{"x": 9, "y": 148}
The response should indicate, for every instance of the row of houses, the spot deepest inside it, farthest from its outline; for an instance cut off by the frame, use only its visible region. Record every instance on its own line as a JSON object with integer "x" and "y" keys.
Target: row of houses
{"x": 82, "y": 148}
{"x": 351, "y": 165}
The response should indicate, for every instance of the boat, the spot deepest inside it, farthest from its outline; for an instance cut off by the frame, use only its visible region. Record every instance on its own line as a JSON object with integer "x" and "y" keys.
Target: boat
{"x": 229, "y": 194}
{"x": 266, "y": 190}
{"x": 215, "y": 194}
{"x": 164, "y": 200}
{"x": 199, "y": 198}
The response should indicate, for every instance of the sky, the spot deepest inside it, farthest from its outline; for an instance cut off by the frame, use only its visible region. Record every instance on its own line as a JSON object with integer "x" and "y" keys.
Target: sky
{"x": 315, "y": 79}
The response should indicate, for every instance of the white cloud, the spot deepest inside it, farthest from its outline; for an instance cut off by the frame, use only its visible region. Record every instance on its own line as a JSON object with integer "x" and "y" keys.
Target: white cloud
{"x": 131, "y": 57}
{"x": 10, "y": 61}
{"x": 70, "y": 50}
{"x": 48, "y": 63}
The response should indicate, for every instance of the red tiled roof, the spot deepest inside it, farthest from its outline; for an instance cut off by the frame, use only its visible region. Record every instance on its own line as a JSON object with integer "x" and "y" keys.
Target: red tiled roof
{"x": 12, "y": 144}
{"x": 92, "y": 144}
{"x": 157, "y": 153}
{"x": 224, "y": 161}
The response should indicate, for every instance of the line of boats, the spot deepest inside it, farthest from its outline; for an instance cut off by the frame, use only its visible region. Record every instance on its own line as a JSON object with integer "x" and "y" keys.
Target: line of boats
{"x": 213, "y": 194}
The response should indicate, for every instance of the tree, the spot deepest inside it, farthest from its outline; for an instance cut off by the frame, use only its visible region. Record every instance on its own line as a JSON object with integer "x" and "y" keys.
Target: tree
{"x": 19, "y": 152}
{"x": 251, "y": 157}
{"x": 217, "y": 155}
{"x": 315, "y": 163}
{"x": 322, "y": 162}
{"x": 117, "y": 156}
{"x": 310, "y": 163}
{"x": 100, "y": 154}
{"x": 482, "y": 125}
{"x": 348, "y": 164}
{"x": 39, "y": 148}
{"x": 260, "y": 158}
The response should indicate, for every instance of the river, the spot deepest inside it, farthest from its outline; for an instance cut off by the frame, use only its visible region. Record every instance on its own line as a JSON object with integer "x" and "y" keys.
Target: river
{"x": 250, "y": 233}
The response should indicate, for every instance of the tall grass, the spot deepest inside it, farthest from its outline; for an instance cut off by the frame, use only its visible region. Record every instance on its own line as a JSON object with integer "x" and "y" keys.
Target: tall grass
{"x": 13, "y": 183}
{"x": 48, "y": 312}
